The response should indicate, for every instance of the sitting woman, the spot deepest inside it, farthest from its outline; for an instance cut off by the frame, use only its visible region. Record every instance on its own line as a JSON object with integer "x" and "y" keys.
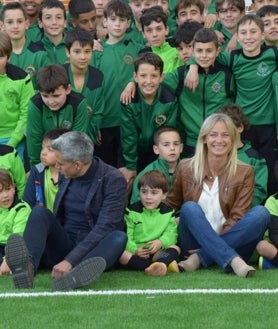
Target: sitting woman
{"x": 213, "y": 191}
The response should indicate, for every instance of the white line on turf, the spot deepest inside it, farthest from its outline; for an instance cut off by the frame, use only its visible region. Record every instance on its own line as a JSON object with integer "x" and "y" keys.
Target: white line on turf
{"x": 137, "y": 292}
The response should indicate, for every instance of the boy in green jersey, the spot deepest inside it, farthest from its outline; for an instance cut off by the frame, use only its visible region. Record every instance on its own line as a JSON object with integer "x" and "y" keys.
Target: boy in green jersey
{"x": 183, "y": 39}
{"x": 168, "y": 147}
{"x": 151, "y": 246}
{"x": 33, "y": 33}
{"x": 153, "y": 106}
{"x": 16, "y": 90}
{"x": 246, "y": 153}
{"x": 42, "y": 183}
{"x": 134, "y": 32}
{"x": 14, "y": 214}
{"x": 55, "y": 106}
{"x": 84, "y": 78}
{"x": 269, "y": 15}
{"x": 229, "y": 13}
{"x": 116, "y": 62}
{"x": 26, "y": 55}
{"x": 155, "y": 30}
{"x": 52, "y": 19}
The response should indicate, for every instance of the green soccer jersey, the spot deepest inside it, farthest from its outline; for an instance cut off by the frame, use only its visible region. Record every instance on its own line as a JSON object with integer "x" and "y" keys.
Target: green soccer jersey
{"x": 56, "y": 53}
{"x": 34, "y": 33}
{"x": 253, "y": 77}
{"x": 214, "y": 90}
{"x": 16, "y": 90}
{"x": 31, "y": 59}
{"x": 227, "y": 35}
{"x": 72, "y": 116}
{"x": 116, "y": 61}
{"x": 93, "y": 91}
{"x": 140, "y": 120}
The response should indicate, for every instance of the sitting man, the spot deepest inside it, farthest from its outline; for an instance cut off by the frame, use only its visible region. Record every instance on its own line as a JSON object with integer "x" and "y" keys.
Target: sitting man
{"x": 83, "y": 236}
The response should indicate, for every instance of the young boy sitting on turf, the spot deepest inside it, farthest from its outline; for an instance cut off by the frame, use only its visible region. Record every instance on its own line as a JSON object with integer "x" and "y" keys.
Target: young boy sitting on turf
{"x": 246, "y": 153}
{"x": 26, "y": 55}
{"x": 151, "y": 246}
{"x": 155, "y": 30}
{"x": 153, "y": 106}
{"x": 168, "y": 147}
{"x": 183, "y": 39}
{"x": 13, "y": 215}
{"x": 16, "y": 90}
{"x": 116, "y": 62}
{"x": 229, "y": 13}
{"x": 52, "y": 19}
{"x": 55, "y": 106}
{"x": 269, "y": 15}
{"x": 42, "y": 183}
{"x": 86, "y": 79}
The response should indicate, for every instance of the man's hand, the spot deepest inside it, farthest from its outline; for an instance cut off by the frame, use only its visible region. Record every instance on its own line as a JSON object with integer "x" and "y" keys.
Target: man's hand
{"x": 61, "y": 269}
{"x": 128, "y": 174}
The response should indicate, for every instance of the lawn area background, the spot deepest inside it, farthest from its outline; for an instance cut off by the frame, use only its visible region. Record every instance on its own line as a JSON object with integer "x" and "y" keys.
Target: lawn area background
{"x": 147, "y": 311}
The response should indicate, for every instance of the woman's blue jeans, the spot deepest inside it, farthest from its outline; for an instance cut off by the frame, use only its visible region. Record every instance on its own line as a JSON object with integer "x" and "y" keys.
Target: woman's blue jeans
{"x": 195, "y": 232}
{"x": 48, "y": 242}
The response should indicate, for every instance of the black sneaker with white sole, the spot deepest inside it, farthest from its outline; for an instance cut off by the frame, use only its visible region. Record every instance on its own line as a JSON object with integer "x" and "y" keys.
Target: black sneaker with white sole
{"x": 82, "y": 275}
{"x": 17, "y": 258}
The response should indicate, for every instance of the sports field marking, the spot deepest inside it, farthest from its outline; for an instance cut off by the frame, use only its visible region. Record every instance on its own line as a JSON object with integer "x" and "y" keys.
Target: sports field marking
{"x": 137, "y": 292}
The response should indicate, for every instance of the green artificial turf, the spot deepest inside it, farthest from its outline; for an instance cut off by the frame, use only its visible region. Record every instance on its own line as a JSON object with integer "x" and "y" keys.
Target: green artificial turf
{"x": 150, "y": 310}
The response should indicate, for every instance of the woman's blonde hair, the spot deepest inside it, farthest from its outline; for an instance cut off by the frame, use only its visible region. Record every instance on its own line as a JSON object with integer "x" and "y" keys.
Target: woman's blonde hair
{"x": 199, "y": 160}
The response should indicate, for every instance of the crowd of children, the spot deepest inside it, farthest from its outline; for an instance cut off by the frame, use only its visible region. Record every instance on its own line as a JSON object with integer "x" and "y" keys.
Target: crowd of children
{"x": 139, "y": 77}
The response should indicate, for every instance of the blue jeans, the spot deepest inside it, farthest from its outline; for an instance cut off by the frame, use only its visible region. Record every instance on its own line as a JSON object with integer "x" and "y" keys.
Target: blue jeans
{"x": 48, "y": 242}
{"x": 195, "y": 232}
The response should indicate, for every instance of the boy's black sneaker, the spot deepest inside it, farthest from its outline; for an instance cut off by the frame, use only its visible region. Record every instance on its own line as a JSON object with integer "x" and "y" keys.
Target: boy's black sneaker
{"x": 83, "y": 274}
{"x": 17, "y": 257}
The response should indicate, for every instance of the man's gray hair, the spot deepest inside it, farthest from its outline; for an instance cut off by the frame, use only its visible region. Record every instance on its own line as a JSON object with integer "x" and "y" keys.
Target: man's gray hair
{"x": 74, "y": 146}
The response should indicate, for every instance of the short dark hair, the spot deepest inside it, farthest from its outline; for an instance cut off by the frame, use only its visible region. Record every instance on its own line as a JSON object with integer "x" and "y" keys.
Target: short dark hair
{"x": 13, "y": 6}
{"x": 51, "y": 4}
{"x": 6, "y": 47}
{"x": 249, "y": 19}
{"x": 54, "y": 133}
{"x": 239, "y": 4}
{"x": 153, "y": 14}
{"x": 235, "y": 112}
{"x": 187, "y": 3}
{"x": 118, "y": 8}
{"x": 185, "y": 32}
{"x": 83, "y": 37}
{"x": 161, "y": 130}
{"x": 77, "y": 7}
{"x": 267, "y": 10}
{"x": 154, "y": 179}
{"x": 205, "y": 35}
{"x": 51, "y": 77}
{"x": 6, "y": 179}
{"x": 149, "y": 58}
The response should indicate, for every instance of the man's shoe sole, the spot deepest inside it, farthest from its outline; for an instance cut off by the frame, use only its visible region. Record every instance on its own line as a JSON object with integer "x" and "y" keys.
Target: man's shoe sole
{"x": 17, "y": 257}
{"x": 82, "y": 275}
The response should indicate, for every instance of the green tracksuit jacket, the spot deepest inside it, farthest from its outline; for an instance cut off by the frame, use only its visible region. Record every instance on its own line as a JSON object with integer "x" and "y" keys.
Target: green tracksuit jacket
{"x": 144, "y": 225}
{"x": 72, "y": 116}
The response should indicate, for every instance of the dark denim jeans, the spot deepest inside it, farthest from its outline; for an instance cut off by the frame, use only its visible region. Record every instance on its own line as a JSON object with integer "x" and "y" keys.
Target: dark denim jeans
{"x": 48, "y": 242}
{"x": 195, "y": 232}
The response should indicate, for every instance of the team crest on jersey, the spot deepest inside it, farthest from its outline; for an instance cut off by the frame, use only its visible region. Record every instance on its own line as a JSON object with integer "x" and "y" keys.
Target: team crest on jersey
{"x": 128, "y": 59}
{"x": 90, "y": 111}
{"x": 66, "y": 124}
{"x": 30, "y": 70}
{"x": 216, "y": 87}
{"x": 160, "y": 119}
{"x": 263, "y": 69}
